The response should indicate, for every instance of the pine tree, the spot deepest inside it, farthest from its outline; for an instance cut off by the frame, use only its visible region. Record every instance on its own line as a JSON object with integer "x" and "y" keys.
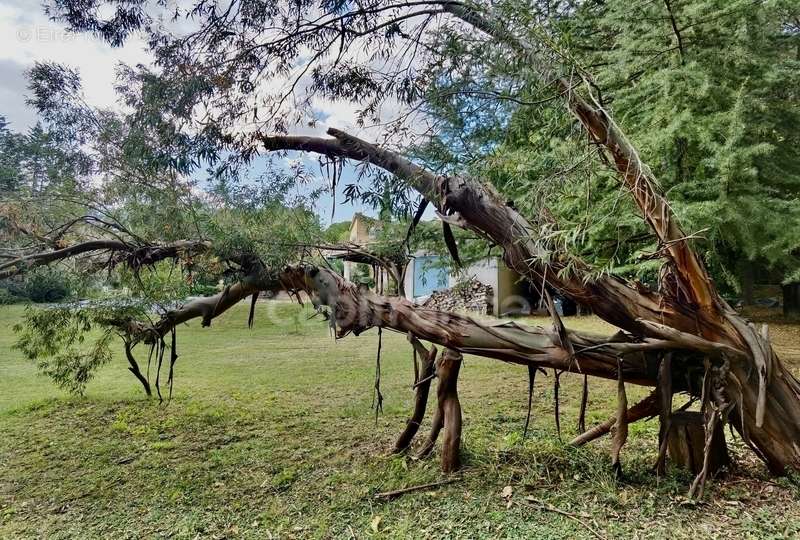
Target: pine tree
{"x": 708, "y": 90}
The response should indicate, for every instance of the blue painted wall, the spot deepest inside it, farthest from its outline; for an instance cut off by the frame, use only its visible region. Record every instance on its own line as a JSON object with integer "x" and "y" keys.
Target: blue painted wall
{"x": 428, "y": 278}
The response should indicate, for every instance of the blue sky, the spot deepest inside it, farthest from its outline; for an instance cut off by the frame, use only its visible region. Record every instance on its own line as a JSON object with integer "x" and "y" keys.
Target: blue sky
{"x": 344, "y": 211}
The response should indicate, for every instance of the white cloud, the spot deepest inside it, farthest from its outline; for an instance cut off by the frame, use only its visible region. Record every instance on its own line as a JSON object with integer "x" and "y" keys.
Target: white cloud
{"x": 27, "y": 36}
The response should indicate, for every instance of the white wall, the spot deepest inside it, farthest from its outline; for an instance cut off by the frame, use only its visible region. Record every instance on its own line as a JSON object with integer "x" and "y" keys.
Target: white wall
{"x": 408, "y": 278}
{"x": 485, "y": 271}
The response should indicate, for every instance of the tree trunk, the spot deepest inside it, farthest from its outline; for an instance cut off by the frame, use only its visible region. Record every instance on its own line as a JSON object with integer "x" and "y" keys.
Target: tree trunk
{"x": 747, "y": 281}
{"x": 686, "y": 443}
{"x": 791, "y": 300}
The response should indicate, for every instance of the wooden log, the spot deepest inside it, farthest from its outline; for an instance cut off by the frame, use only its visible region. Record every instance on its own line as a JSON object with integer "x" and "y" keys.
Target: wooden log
{"x": 686, "y": 442}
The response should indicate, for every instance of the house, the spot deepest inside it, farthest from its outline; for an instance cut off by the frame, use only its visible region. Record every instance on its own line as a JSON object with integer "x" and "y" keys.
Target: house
{"x": 426, "y": 273}
{"x": 363, "y": 231}
{"x": 511, "y": 293}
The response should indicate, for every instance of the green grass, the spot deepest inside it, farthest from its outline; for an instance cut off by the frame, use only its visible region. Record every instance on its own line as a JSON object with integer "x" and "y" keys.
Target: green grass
{"x": 270, "y": 434}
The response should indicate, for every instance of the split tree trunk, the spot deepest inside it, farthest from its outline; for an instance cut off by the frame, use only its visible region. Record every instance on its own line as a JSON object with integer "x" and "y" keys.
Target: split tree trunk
{"x": 686, "y": 443}
{"x": 690, "y": 311}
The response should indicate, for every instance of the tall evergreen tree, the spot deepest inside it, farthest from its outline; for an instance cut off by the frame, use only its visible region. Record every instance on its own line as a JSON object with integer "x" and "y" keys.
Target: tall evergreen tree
{"x": 709, "y": 90}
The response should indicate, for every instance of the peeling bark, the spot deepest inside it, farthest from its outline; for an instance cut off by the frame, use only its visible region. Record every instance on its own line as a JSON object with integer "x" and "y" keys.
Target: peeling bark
{"x": 450, "y": 406}
{"x": 447, "y": 414}
{"x": 621, "y": 425}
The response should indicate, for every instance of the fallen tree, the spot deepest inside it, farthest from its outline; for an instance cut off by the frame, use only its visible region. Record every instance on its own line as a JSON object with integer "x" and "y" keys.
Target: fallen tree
{"x": 745, "y": 368}
{"x": 715, "y": 355}
{"x": 682, "y": 337}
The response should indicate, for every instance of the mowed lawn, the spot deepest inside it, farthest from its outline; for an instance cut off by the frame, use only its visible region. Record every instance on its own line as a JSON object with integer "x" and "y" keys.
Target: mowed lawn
{"x": 271, "y": 434}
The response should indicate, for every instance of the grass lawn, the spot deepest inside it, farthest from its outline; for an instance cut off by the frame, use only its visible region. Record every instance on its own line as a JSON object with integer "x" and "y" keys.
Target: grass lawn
{"x": 270, "y": 434}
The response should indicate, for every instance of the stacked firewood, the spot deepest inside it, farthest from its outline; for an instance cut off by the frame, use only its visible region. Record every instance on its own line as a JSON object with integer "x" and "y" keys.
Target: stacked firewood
{"x": 468, "y": 296}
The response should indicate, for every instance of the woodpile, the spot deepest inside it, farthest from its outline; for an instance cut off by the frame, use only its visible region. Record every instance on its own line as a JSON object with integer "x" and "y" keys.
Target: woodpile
{"x": 468, "y": 296}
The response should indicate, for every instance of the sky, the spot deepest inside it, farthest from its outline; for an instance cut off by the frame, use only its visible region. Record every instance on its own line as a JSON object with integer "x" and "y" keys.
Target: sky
{"x": 27, "y": 36}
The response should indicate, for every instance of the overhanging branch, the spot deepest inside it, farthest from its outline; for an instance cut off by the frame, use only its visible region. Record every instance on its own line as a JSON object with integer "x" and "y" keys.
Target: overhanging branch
{"x": 476, "y": 206}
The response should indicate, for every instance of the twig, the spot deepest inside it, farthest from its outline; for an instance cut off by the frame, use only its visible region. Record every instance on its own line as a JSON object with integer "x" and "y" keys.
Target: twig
{"x": 388, "y": 495}
{"x": 539, "y": 505}
{"x": 423, "y": 381}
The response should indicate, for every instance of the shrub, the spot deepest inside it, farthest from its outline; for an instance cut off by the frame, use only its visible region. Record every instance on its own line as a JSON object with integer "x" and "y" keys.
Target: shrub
{"x": 41, "y": 285}
{"x": 7, "y": 297}
{"x": 47, "y": 285}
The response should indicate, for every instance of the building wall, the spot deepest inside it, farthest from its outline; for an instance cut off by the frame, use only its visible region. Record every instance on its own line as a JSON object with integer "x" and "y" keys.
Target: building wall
{"x": 507, "y": 292}
{"x": 360, "y": 229}
{"x": 359, "y": 234}
{"x": 511, "y": 292}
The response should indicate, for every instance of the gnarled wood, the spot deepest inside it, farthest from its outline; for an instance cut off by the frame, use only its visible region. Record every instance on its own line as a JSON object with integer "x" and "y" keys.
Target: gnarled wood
{"x": 450, "y": 407}
{"x": 448, "y": 413}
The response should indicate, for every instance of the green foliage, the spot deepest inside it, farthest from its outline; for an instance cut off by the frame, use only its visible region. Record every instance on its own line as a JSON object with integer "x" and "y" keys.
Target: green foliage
{"x": 360, "y": 275}
{"x": 44, "y": 284}
{"x": 276, "y": 234}
{"x": 337, "y": 232}
{"x": 143, "y": 190}
{"x": 47, "y": 284}
{"x": 69, "y": 343}
{"x": 7, "y": 297}
{"x": 161, "y": 283}
{"x": 714, "y": 116}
